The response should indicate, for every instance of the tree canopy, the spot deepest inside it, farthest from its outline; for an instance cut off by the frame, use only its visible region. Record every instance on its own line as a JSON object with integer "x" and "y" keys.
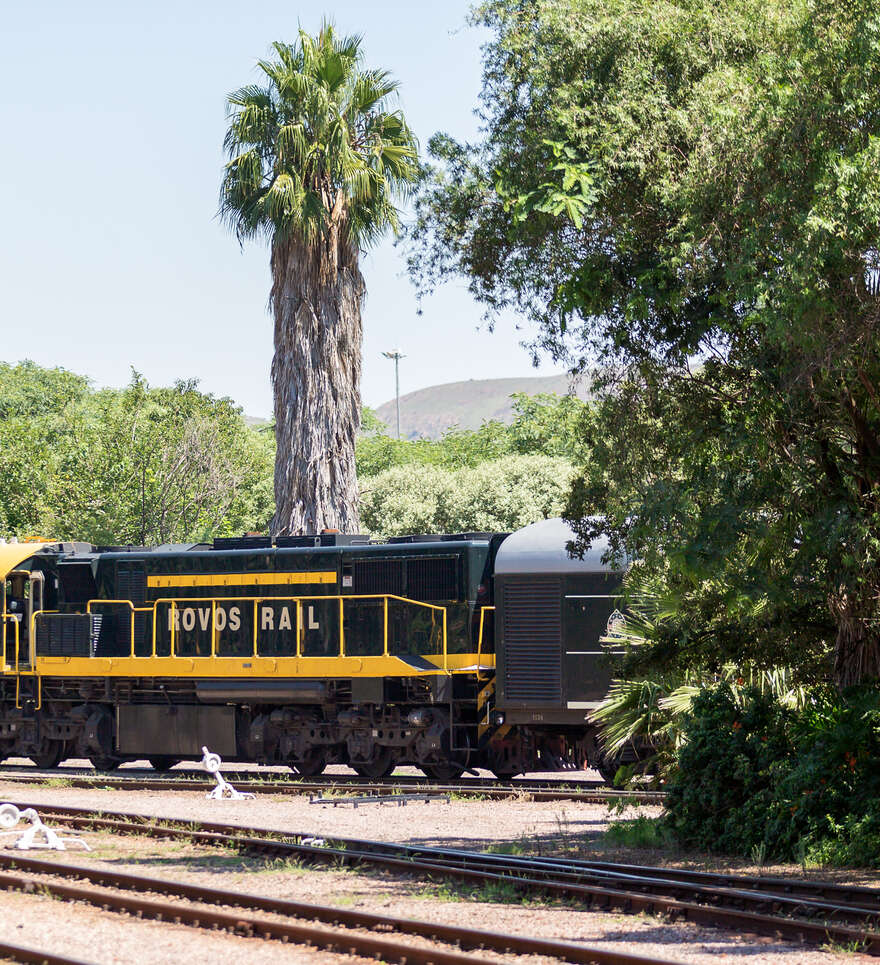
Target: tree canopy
{"x": 684, "y": 194}
{"x": 139, "y": 465}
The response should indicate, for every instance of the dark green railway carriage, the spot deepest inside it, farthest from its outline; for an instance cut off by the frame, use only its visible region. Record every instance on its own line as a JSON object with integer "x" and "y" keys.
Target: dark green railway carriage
{"x": 303, "y": 651}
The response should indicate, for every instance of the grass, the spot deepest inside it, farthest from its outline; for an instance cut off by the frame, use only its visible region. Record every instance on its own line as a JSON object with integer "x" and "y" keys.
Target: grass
{"x": 846, "y": 948}
{"x": 509, "y": 847}
{"x": 497, "y": 892}
{"x": 288, "y": 866}
{"x": 58, "y": 782}
{"x": 640, "y": 832}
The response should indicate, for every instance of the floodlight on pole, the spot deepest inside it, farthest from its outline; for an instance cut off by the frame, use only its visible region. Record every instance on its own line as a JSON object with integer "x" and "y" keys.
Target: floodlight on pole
{"x": 396, "y": 356}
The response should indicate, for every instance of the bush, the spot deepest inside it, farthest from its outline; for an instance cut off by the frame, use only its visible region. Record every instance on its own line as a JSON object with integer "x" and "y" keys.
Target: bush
{"x": 497, "y": 496}
{"x": 728, "y": 767}
{"x": 794, "y": 784}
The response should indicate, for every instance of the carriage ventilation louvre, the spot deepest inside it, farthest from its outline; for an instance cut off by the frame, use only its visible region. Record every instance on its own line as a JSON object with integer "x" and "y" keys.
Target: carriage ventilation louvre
{"x": 533, "y": 640}
{"x": 378, "y": 576}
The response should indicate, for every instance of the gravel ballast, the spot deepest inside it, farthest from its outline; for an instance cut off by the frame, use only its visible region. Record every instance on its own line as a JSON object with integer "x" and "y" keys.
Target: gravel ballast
{"x": 104, "y": 937}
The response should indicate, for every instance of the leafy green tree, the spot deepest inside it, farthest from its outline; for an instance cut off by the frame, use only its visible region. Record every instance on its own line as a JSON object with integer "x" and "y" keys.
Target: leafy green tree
{"x": 316, "y": 161}
{"x": 151, "y": 466}
{"x": 497, "y": 496}
{"x": 717, "y": 258}
{"x": 35, "y": 406}
{"x": 140, "y": 465}
{"x": 543, "y": 424}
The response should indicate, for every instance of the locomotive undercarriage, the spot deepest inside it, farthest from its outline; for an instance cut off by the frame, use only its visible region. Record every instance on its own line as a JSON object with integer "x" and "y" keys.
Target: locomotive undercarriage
{"x": 414, "y": 722}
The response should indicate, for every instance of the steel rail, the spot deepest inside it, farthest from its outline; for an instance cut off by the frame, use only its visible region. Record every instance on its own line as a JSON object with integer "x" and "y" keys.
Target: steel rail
{"x": 464, "y": 938}
{"x": 480, "y": 868}
{"x": 784, "y": 889}
{"x": 793, "y": 887}
{"x": 193, "y": 770}
{"x": 21, "y": 953}
{"x": 245, "y": 926}
{"x": 261, "y": 786}
{"x": 864, "y": 898}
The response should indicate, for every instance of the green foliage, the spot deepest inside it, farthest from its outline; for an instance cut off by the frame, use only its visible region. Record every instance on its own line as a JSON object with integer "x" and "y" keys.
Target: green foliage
{"x": 650, "y": 707}
{"x": 543, "y": 424}
{"x": 728, "y": 768}
{"x": 500, "y": 495}
{"x": 801, "y": 784}
{"x": 316, "y": 149}
{"x": 138, "y": 465}
{"x": 718, "y": 257}
{"x": 154, "y": 465}
{"x": 640, "y": 832}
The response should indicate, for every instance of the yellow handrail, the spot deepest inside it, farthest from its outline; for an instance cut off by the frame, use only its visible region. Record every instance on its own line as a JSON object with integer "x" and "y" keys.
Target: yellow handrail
{"x": 14, "y": 617}
{"x": 483, "y": 611}
{"x": 174, "y": 602}
{"x": 134, "y": 609}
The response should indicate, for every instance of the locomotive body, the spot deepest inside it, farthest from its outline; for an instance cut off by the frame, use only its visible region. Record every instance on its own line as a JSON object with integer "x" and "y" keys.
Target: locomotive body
{"x": 306, "y": 651}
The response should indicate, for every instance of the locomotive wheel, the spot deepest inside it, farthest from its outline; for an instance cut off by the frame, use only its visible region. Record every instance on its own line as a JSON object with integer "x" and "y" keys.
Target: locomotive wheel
{"x": 378, "y": 768}
{"x": 49, "y": 754}
{"x": 312, "y": 765}
{"x": 162, "y": 762}
{"x": 104, "y": 763}
{"x": 503, "y": 775}
{"x": 447, "y": 771}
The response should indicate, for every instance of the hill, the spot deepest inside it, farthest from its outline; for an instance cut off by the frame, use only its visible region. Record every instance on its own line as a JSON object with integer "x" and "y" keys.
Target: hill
{"x": 428, "y": 413}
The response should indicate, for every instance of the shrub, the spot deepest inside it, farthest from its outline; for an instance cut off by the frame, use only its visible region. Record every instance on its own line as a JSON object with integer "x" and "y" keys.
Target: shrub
{"x": 793, "y": 783}
{"x": 501, "y": 495}
{"x": 728, "y": 767}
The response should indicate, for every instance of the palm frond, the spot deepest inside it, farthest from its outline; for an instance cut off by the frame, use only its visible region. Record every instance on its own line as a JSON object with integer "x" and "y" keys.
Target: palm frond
{"x": 319, "y": 127}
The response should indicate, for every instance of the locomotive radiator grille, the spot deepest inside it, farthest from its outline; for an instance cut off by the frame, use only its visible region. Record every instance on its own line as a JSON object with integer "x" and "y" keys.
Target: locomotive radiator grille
{"x": 533, "y": 640}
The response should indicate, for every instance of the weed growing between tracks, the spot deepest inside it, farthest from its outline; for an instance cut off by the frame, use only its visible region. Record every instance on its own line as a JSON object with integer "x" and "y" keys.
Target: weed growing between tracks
{"x": 641, "y": 832}
{"x": 57, "y": 782}
{"x": 843, "y": 948}
{"x": 522, "y": 846}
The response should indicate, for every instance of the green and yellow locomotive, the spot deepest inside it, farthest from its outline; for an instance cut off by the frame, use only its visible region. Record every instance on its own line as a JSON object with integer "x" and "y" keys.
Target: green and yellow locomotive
{"x": 446, "y": 652}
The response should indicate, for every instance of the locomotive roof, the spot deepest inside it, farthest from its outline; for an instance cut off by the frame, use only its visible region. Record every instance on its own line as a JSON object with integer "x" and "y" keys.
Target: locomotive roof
{"x": 541, "y": 548}
{"x": 231, "y": 548}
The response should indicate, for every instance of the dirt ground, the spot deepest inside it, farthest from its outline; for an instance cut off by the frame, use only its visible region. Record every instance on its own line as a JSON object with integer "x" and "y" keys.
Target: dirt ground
{"x": 518, "y": 825}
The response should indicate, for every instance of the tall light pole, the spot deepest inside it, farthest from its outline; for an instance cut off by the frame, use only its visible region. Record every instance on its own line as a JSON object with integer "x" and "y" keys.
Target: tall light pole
{"x": 397, "y": 357}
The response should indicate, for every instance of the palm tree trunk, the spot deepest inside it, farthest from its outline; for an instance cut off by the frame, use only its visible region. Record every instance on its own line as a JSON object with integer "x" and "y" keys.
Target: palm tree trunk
{"x": 857, "y": 647}
{"x": 317, "y": 292}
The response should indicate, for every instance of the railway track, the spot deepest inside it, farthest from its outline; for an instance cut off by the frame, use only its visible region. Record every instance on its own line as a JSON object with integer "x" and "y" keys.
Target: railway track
{"x": 788, "y": 909}
{"x": 332, "y": 929}
{"x": 21, "y": 953}
{"x": 582, "y": 791}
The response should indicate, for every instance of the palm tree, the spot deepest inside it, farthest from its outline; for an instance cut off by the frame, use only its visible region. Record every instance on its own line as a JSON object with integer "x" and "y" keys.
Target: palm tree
{"x": 316, "y": 161}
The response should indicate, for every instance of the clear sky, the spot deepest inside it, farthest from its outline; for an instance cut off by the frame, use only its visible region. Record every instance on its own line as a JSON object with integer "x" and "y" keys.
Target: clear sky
{"x": 111, "y": 254}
